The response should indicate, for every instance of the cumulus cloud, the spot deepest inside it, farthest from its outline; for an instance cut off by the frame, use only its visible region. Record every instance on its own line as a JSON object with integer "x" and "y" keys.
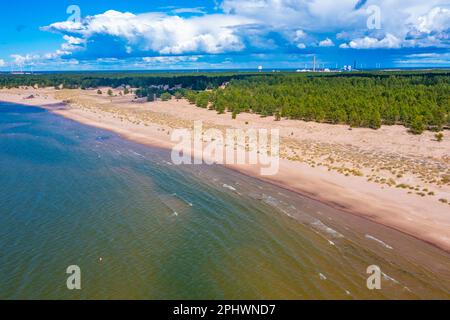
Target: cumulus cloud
{"x": 317, "y": 15}
{"x": 431, "y": 29}
{"x": 326, "y": 43}
{"x": 249, "y": 26}
{"x": 157, "y": 33}
{"x": 40, "y": 60}
{"x": 388, "y": 42}
{"x": 436, "y": 20}
{"x": 425, "y": 21}
{"x": 21, "y": 60}
{"x": 299, "y": 34}
{"x": 2, "y": 63}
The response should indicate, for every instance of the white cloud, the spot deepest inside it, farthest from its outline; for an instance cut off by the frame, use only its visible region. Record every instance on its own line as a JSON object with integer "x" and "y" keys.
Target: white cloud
{"x": 198, "y": 10}
{"x": 107, "y": 60}
{"x": 317, "y": 15}
{"x": 299, "y": 34}
{"x": 160, "y": 33}
{"x": 421, "y": 59}
{"x": 399, "y": 18}
{"x": 436, "y": 20}
{"x": 245, "y": 25}
{"x": 73, "y": 40}
{"x": 388, "y": 42}
{"x": 430, "y": 29}
{"x": 2, "y": 63}
{"x": 40, "y": 60}
{"x": 326, "y": 43}
{"x": 21, "y": 60}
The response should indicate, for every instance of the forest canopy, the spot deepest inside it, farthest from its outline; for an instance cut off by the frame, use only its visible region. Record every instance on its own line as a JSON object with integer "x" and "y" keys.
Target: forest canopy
{"x": 417, "y": 99}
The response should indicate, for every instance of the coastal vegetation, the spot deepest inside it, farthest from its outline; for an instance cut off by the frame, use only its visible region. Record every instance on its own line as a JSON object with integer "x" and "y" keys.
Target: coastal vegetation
{"x": 79, "y": 80}
{"x": 419, "y": 100}
{"x": 439, "y": 136}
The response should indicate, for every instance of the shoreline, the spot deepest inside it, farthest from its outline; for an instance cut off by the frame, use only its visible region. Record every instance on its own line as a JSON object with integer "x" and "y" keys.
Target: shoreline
{"x": 424, "y": 220}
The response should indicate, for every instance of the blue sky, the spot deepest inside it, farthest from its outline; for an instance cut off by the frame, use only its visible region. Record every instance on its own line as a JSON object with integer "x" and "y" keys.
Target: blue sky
{"x": 226, "y": 34}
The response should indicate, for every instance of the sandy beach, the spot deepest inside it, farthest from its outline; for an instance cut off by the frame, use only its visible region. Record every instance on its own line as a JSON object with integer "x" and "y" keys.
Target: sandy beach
{"x": 388, "y": 176}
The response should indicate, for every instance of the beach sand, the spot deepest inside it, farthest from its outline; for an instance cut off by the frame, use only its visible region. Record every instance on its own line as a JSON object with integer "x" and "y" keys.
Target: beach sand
{"x": 388, "y": 176}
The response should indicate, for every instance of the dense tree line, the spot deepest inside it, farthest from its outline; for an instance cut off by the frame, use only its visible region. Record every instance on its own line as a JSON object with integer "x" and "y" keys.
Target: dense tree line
{"x": 419, "y": 101}
{"x": 194, "y": 81}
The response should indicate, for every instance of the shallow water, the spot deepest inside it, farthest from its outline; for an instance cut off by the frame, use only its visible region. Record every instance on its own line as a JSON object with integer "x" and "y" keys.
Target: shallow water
{"x": 141, "y": 228}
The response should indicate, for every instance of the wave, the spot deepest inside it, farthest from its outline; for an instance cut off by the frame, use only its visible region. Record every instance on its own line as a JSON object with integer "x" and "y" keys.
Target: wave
{"x": 229, "y": 187}
{"x": 368, "y": 236}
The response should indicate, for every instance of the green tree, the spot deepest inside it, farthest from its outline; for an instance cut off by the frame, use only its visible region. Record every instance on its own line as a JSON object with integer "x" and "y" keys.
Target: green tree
{"x": 178, "y": 95}
{"x": 355, "y": 119}
{"x": 191, "y": 96}
{"x": 417, "y": 125}
{"x": 202, "y": 99}
{"x": 375, "y": 120}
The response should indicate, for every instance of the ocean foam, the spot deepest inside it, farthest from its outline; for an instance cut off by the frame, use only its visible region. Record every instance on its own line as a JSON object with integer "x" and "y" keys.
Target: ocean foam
{"x": 229, "y": 187}
{"x": 319, "y": 225}
{"x": 368, "y": 236}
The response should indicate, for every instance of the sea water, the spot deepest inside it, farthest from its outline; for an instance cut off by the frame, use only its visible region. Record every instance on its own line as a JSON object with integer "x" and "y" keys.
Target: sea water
{"x": 139, "y": 227}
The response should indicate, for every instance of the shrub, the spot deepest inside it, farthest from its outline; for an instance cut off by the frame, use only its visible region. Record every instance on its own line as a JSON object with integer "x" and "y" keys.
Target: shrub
{"x": 439, "y": 136}
{"x": 166, "y": 96}
{"x": 178, "y": 95}
{"x": 277, "y": 116}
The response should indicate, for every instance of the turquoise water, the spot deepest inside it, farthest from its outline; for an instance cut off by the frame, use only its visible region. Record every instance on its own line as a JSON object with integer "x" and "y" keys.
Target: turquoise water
{"x": 141, "y": 228}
